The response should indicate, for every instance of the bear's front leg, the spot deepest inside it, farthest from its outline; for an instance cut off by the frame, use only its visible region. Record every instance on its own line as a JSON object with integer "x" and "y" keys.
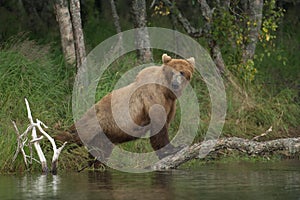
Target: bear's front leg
{"x": 100, "y": 147}
{"x": 161, "y": 144}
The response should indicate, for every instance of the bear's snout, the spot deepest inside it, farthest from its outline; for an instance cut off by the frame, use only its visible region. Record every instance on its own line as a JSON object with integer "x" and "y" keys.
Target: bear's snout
{"x": 175, "y": 85}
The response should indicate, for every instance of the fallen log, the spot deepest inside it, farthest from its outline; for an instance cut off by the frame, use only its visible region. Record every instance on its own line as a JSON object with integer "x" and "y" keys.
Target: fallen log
{"x": 250, "y": 147}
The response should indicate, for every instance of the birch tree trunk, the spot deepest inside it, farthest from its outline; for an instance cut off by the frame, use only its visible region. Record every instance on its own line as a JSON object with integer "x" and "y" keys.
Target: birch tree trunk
{"x": 139, "y": 14}
{"x": 66, "y": 31}
{"x": 78, "y": 33}
{"x": 215, "y": 50}
{"x": 255, "y": 9}
{"x": 116, "y": 18}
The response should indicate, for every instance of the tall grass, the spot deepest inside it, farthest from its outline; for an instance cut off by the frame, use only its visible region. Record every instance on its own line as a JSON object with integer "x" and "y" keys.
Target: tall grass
{"x": 32, "y": 71}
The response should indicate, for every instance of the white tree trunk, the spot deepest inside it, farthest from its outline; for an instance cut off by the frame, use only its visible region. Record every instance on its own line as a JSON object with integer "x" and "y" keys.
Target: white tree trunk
{"x": 215, "y": 50}
{"x": 78, "y": 33}
{"x": 66, "y": 31}
{"x": 116, "y": 18}
{"x": 141, "y": 36}
{"x": 255, "y": 10}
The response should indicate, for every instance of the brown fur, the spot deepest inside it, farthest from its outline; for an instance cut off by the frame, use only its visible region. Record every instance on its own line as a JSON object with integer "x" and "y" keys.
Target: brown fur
{"x": 141, "y": 100}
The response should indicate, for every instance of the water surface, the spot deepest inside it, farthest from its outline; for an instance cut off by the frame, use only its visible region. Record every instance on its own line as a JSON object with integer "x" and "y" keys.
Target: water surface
{"x": 279, "y": 180}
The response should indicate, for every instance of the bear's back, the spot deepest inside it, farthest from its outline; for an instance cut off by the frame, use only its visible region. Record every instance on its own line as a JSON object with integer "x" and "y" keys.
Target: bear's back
{"x": 149, "y": 74}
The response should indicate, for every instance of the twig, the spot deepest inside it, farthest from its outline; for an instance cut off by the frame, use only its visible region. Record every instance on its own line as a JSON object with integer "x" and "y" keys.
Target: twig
{"x": 20, "y": 146}
{"x": 191, "y": 30}
{"x": 153, "y": 3}
{"x": 263, "y": 134}
{"x": 37, "y": 139}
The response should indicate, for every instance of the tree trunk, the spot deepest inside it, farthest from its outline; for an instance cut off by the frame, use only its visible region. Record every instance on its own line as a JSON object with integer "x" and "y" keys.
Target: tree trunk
{"x": 78, "y": 33}
{"x": 215, "y": 50}
{"x": 255, "y": 9}
{"x": 216, "y": 55}
{"x": 139, "y": 14}
{"x": 176, "y": 14}
{"x": 288, "y": 146}
{"x": 115, "y": 15}
{"x": 66, "y": 31}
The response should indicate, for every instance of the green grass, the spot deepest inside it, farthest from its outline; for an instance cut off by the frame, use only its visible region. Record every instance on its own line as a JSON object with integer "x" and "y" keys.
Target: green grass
{"x": 38, "y": 72}
{"x": 28, "y": 70}
{"x": 41, "y": 76}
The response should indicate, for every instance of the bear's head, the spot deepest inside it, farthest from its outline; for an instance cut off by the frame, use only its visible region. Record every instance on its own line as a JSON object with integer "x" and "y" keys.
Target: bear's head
{"x": 178, "y": 72}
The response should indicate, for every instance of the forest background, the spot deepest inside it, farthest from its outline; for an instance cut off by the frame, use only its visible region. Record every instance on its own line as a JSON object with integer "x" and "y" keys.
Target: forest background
{"x": 262, "y": 81}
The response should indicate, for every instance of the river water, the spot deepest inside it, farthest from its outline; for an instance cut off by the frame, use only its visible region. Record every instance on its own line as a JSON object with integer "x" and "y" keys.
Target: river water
{"x": 274, "y": 180}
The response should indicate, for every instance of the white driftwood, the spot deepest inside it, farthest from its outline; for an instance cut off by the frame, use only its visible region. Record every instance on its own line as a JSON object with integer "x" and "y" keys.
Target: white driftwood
{"x": 23, "y": 140}
{"x": 39, "y": 150}
{"x": 290, "y": 145}
{"x": 36, "y": 144}
{"x": 56, "y": 152}
{"x": 21, "y": 144}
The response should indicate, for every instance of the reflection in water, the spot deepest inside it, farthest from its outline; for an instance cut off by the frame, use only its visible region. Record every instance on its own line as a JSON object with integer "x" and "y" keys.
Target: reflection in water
{"x": 39, "y": 186}
{"x": 118, "y": 185}
{"x": 226, "y": 181}
{"x": 101, "y": 183}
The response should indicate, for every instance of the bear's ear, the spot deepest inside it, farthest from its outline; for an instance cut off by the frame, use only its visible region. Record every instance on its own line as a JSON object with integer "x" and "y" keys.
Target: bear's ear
{"x": 191, "y": 60}
{"x": 166, "y": 58}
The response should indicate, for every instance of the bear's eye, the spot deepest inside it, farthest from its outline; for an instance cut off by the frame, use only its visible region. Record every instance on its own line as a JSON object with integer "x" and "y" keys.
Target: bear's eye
{"x": 182, "y": 73}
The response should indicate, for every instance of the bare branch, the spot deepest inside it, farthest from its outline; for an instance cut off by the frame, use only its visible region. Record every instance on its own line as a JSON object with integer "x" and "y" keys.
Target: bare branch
{"x": 56, "y": 152}
{"x": 36, "y": 144}
{"x": 23, "y": 138}
{"x": 191, "y": 30}
{"x": 20, "y": 146}
{"x": 263, "y": 134}
{"x": 153, "y": 3}
{"x": 37, "y": 139}
{"x": 24, "y": 135}
{"x": 39, "y": 150}
{"x": 55, "y": 158}
{"x": 28, "y": 112}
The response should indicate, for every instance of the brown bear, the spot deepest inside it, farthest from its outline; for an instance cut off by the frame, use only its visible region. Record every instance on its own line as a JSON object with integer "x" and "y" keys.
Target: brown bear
{"x": 128, "y": 113}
